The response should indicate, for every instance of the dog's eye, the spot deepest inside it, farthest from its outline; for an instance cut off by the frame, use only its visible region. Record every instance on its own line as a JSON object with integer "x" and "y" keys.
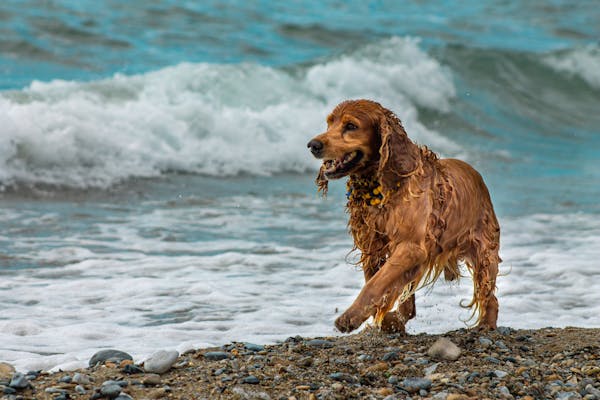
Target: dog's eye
{"x": 350, "y": 127}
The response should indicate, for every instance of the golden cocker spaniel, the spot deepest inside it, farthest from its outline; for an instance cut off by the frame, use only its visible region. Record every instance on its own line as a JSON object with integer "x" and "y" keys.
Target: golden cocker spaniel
{"x": 413, "y": 216}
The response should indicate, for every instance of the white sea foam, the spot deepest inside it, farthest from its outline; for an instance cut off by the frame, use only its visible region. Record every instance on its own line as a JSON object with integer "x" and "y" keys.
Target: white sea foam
{"x": 583, "y": 62}
{"x": 266, "y": 271}
{"x": 205, "y": 118}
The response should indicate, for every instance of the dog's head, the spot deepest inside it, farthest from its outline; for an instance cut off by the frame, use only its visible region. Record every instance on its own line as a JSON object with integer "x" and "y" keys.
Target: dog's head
{"x": 363, "y": 138}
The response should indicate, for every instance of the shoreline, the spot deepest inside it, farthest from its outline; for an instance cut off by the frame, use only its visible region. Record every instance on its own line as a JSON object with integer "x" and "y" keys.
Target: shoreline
{"x": 561, "y": 363}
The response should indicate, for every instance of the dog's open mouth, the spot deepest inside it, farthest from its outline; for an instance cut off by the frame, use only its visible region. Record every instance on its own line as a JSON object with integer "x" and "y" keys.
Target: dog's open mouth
{"x": 342, "y": 166}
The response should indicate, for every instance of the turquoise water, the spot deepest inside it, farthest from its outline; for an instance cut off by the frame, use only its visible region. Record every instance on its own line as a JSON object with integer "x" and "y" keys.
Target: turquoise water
{"x": 156, "y": 191}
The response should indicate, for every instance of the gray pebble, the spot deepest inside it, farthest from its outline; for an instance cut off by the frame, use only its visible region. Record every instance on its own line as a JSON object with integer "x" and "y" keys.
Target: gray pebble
{"x": 440, "y": 396}
{"x": 110, "y": 389}
{"x": 66, "y": 379}
{"x": 320, "y": 343}
{"x": 492, "y": 360}
{"x": 343, "y": 377}
{"x": 590, "y": 389}
{"x": 365, "y": 357}
{"x": 431, "y": 369}
{"x": 471, "y": 377}
{"x": 80, "y": 389}
{"x": 501, "y": 345}
{"x": 485, "y": 342}
{"x": 392, "y": 355}
{"x": 19, "y": 381}
{"x": 216, "y": 355}
{"x": 81, "y": 379}
{"x": 505, "y": 392}
{"x": 413, "y": 385}
{"x": 568, "y": 396}
{"x": 251, "y": 379}
{"x": 504, "y": 330}
{"x": 113, "y": 355}
{"x": 132, "y": 369}
{"x": 8, "y": 390}
{"x": 254, "y": 347}
{"x": 54, "y": 390}
{"x": 500, "y": 374}
{"x": 444, "y": 349}
{"x": 152, "y": 380}
{"x": 392, "y": 380}
{"x": 123, "y": 396}
{"x": 161, "y": 361}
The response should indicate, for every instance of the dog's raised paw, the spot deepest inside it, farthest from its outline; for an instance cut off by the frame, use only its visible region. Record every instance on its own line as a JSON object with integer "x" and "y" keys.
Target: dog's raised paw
{"x": 347, "y": 322}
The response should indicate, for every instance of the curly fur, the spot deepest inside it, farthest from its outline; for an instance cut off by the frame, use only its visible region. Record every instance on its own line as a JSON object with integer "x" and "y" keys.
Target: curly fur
{"x": 433, "y": 215}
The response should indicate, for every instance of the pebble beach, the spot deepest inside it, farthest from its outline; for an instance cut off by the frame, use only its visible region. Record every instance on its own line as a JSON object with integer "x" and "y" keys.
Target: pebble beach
{"x": 549, "y": 363}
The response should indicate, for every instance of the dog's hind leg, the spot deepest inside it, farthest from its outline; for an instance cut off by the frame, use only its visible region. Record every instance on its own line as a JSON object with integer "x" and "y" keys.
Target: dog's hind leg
{"x": 484, "y": 268}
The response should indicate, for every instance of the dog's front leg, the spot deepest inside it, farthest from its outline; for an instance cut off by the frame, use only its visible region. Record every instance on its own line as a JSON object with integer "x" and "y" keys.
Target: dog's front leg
{"x": 382, "y": 290}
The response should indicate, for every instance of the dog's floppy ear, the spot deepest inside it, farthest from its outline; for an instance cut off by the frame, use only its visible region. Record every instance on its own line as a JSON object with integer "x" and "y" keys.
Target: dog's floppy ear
{"x": 322, "y": 182}
{"x": 398, "y": 155}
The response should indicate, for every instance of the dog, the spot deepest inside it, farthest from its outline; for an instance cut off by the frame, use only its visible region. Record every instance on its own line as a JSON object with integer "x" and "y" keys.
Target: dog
{"x": 413, "y": 216}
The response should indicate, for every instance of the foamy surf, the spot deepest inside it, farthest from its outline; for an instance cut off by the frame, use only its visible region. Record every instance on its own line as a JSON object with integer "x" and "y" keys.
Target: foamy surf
{"x": 582, "y": 62}
{"x": 212, "y": 119}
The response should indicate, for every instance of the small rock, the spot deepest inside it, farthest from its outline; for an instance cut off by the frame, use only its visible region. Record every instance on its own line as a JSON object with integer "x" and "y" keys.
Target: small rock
{"x": 320, "y": 343}
{"x": 161, "y": 361}
{"x": 392, "y": 355}
{"x": 505, "y": 393}
{"x": 54, "y": 390}
{"x": 590, "y": 389}
{"x": 254, "y": 347}
{"x": 19, "y": 381}
{"x": 110, "y": 389}
{"x": 471, "y": 377}
{"x": 485, "y": 342}
{"x": 364, "y": 357}
{"x": 413, "y": 385}
{"x": 338, "y": 387}
{"x": 6, "y": 371}
{"x": 492, "y": 360}
{"x": 251, "y": 379}
{"x": 80, "y": 389}
{"x": 305, "y": 362}
{"x": 81, "y": 379}
{"x": 216, "y": 355}
{"x": 152, "y": 380}
{"x": 123, "y": 396}
{"x": 431, "y": 369}
{"x": 343, "y": 377}
{"x": 440, "y": 396}
{"x": 392, "y": 380}
{"x": 444, "y": 349}
{"x": 115, "y": 356}
{"x": 9, "y": 391}
{"x": 504, "y": 330}
{"x": 568, "y": 396}
{"x": 66, "y": 379}
{"x": 131, "y": 369}
{"x": 501, "y": 345}
{"x": 500, "y": 374}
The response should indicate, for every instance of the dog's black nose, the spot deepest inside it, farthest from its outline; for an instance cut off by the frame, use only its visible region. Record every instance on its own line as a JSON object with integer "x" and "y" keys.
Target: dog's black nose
{"x": 315, "y": 147}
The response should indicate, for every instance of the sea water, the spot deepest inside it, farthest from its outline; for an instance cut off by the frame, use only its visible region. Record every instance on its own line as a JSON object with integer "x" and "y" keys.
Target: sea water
{"x": 156, "y": 191}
